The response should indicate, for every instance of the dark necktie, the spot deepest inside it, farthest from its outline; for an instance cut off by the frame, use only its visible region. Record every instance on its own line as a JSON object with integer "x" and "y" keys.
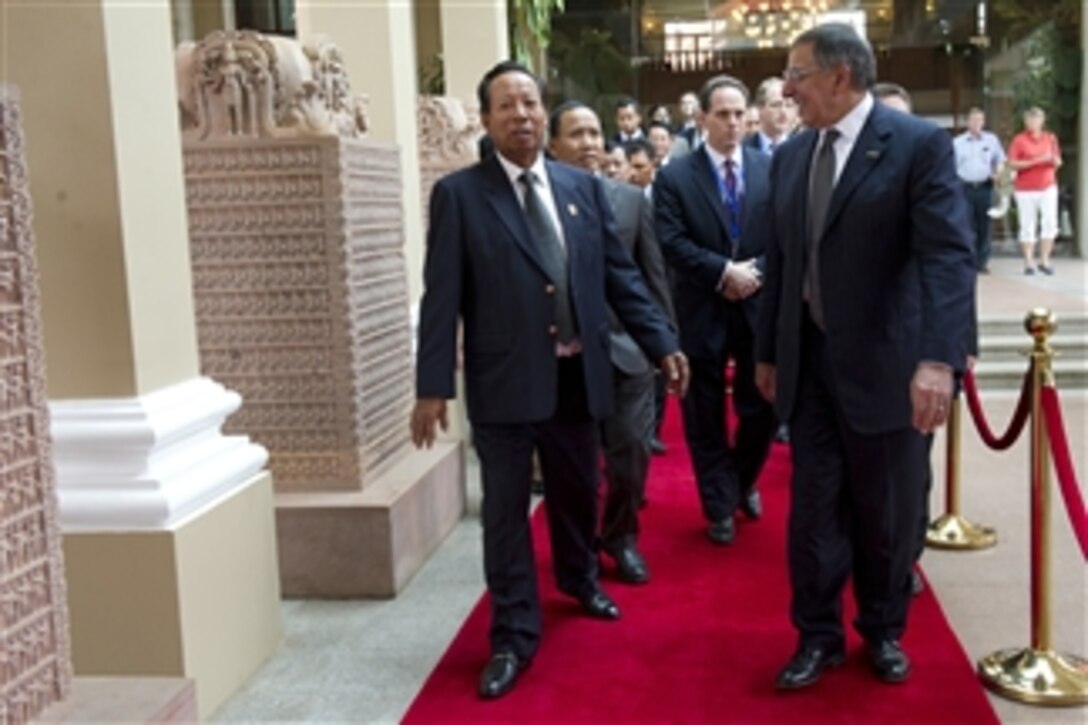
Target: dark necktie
{"x": 821, "y": 186}
{"x": 732, "y": 202}
{"x": 551, "y": 253}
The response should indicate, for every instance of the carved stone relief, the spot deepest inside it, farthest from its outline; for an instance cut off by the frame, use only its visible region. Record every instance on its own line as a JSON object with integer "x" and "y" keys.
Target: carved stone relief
{"x": 300, "y": 285}
{"x": 448, "y": 134}
{"x": 35, "y": 664}
{"x": 241, "y": 84}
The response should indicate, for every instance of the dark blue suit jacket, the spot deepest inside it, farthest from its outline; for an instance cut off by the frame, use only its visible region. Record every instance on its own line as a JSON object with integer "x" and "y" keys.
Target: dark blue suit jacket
{"x": 896, "y": 268}
{"x": 693, "y": 229}
{"x": 482, "y": 265}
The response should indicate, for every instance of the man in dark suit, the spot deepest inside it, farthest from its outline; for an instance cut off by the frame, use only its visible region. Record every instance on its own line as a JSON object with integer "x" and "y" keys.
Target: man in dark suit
{"x": 776, "y": 117}
{"x": 628, "y": 121}
{"x": 707, "y": 205}
{"x": 575, "y": 138}
{"x": 689, "y": 127}
{"x": 524, "y": 251}
{"x": 866, "y": 309}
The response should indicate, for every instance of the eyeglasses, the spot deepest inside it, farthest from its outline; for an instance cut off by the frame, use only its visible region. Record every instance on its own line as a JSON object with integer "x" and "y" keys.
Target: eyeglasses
{"x": 797, "y": 74}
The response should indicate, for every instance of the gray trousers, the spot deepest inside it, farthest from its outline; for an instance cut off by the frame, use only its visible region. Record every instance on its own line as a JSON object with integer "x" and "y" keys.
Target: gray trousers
{"x": 625, "y": 438}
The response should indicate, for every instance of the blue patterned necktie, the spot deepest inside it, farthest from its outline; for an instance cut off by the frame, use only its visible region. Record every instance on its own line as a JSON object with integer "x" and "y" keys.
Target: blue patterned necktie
{"x": 732, "y": 200}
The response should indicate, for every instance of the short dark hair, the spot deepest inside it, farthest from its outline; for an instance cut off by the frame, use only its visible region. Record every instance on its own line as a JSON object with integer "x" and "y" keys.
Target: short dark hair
{"x": 639, "y": 145}
{"x": 483, "y": 90}
{"x": 886, "y": 89}
{"x": 839, "y": 44}
{"x": 764, "y": 88}
{"x": 658, "y": 124}
{"x": 720, "y": 81}
{"x": 556, "y": 118}
{"x": 625, "y": 102}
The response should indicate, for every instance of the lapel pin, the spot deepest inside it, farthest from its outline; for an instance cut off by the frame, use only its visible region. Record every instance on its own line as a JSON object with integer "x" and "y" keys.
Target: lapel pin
{"x": 872, "y": 154}
{"x": 572, "y": 210}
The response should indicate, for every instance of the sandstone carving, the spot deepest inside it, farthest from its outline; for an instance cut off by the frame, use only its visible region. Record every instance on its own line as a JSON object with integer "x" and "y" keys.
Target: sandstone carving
{"x": 35, "y": 665}
{"x": 447, "y": 130}
{"x": 299, "y": 274}
{"x": 448, "y": 135}
{"x": 241, "y": 84}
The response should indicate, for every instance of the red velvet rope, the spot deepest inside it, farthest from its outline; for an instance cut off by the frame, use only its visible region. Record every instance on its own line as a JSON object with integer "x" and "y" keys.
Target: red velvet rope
{"x": 1019, "y": 417}
{"x": 1063, "y": 465}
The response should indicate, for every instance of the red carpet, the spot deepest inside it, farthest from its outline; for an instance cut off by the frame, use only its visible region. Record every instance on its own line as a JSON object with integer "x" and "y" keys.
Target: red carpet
{"x": 703, "y": 641}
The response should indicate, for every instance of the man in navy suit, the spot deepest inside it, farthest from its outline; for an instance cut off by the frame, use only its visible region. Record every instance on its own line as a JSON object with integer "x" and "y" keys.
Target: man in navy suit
{"x": 866, "y": 309}
{"x": 524, "y": 251}
{"x": 707, "y": 207}
{"x": 776, "y": 117}
{"x": 574, "y": 133}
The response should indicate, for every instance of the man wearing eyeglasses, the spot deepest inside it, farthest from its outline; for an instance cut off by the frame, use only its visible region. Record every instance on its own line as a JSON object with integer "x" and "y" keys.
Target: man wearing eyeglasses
{"x": 867, "y": 303}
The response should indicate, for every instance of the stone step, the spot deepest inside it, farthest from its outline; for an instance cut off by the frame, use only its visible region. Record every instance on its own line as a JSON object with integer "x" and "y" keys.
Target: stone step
{"x": 1069, "y": 374}
{"x": 1004, "y": 344}
{"x": 1068, "y": 324}
{"x": 994, "y": 348}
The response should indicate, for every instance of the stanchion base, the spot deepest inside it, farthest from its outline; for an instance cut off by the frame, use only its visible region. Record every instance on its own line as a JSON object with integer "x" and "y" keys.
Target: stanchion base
{"x": 952, "y": 531}
{"x": 1040, "y": 677}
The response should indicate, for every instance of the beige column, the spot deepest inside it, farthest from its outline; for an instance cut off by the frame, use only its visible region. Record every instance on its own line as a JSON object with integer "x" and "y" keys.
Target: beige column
{"x": 474, "y": 38}
{"x": 194, "y": 19}
{"x": 378, "y": 45}
{"x": 158, "y": 509}
{"x": 428, "y": 26}
{"x": 105, "y": 159}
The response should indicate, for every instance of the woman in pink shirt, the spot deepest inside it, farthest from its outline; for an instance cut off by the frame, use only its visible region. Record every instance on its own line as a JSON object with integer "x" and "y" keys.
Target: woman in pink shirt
{"x": 1035, "y": 156}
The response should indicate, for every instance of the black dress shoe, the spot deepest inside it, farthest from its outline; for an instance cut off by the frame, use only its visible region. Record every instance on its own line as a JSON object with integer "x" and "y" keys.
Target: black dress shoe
{"x": 722, "y": 532}
{"x": 782, "y": 435}
{"x": 806, "y": 667}
{"x": 752, "y": 505}
{"x": 599, "y": 605}
{"x": 500, "y": 674}
{"x": 888, "y": 660}
{"x": 630, "y": 566}
{"x": 657, "y": 447}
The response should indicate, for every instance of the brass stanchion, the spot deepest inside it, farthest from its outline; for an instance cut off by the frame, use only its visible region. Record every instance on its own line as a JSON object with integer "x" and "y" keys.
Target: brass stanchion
{"x": 950, "y": 530}
{"x": 1038, "y": 674}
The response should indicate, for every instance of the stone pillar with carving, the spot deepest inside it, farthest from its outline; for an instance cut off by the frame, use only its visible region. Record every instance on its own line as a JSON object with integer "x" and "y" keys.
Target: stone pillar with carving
{"x": 297, "y": 245}
{"x": 168, "y": 524}
{"x": 448, "y": 134}
{"x": 35, "y": 667}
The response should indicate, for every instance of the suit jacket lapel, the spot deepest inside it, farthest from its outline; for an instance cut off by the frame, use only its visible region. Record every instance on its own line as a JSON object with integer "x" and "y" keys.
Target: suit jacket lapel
{"x": 500, "y": 195}
{"x": 755, "y": 189}
{"x": 566, "y": 209}
{"x": 801, "y": 183}
{"x": 706, "y": 180}
{"x": 864, "y": 157}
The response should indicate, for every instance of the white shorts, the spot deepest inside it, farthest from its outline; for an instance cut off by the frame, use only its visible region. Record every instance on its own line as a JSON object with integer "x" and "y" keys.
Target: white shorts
{"x": 1037, "y": 208}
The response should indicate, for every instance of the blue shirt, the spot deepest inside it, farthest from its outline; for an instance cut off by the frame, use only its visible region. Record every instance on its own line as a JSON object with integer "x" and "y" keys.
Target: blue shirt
{"x": 977, "y": 157}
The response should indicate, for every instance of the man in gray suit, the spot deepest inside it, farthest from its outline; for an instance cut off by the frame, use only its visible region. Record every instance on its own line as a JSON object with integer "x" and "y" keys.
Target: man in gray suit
{"x": 575, "y": 138}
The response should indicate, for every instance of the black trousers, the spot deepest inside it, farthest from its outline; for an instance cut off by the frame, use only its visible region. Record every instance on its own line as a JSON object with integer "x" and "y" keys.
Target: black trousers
{"x": 856, "y": 503}
{"x": 625, "y": 438}
{"x": 567, "y": 448}
{"x": 927, "y": 487}
{"x": 726, "y": 470}
{"x": 979, "y": 200}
